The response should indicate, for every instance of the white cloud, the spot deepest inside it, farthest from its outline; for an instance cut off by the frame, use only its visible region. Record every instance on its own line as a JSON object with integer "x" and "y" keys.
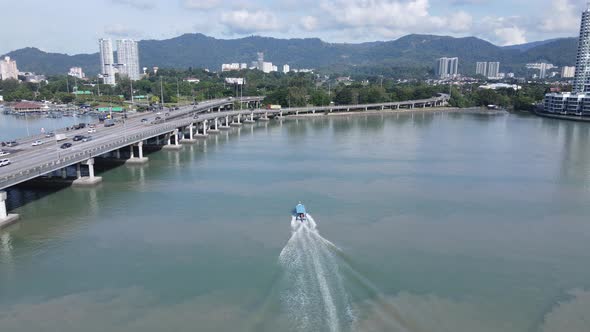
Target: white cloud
{"x": 510, "y": 35}
{"x": 391, "y": 18}
{"x": 562, "y": 17}
{"x": 120, "y": 30}
{"x": 201, "y": 4}
{"x": 137, "y": 4}
{"x": 501, "y": 30}
{"x": 245, "y": 21}
{"x": 309, "y": 23}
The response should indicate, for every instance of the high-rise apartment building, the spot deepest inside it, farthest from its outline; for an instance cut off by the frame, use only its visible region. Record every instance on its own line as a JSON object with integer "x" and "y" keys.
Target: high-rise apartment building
{"x": 286, "y": 69}
{"x": 447, "y": 67}
{"x": 578, "y": 102}
{"x": 260, "y": 63}
{"x": 107, "y": 61}
{"x": 8, "y": 69}
{"x": 481, "y": 68}
{"x": 128, "y": 59}
{"x": 493, "y": 69}
{"x": 582, "y": 77}
{"x": 568, "y": 72}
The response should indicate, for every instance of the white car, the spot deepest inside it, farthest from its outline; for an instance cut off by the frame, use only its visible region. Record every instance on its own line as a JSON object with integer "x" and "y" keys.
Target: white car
{"x": 91, "y": 130}
{"x": 4, "y": 153}
{"x": 37, "y": 143}
{"x": 4, "y": 162}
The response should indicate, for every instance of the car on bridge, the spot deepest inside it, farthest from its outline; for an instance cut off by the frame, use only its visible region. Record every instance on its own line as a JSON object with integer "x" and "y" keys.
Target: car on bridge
{"x": 78, "y": 138}
{"x": 11, "y": 144}
{"x": 49, "y": 135}
{"x": 91, "y": 130}
{"x": 4, "y": 153}
{"x": 37, "y": 143}
{"x": 4, "y": 162}
{"x": 87, "y": 139}
{"x": 66, "y": 145}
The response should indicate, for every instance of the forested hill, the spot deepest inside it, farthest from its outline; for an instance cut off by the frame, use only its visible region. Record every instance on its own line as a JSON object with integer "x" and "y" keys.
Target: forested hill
{"x": 412, "y": 51}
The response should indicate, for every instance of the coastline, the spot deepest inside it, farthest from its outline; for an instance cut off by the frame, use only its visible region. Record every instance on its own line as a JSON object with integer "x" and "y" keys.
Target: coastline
{"x": 561, "y": 117}
{"x": 400, "y": 111}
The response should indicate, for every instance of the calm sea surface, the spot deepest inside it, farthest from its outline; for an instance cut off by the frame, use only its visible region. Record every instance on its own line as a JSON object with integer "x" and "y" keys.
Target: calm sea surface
{"x": 425, "y": 223}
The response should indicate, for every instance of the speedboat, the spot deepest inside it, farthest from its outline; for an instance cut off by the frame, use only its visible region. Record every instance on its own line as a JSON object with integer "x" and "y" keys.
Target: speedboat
{"x": 300, "y": 213}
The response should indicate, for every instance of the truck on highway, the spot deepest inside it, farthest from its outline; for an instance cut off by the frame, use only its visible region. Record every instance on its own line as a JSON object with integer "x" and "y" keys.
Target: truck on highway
{"x": 109, "y": 122}
{"x": 60, "y": 137}
{"x": 273, "y": 107}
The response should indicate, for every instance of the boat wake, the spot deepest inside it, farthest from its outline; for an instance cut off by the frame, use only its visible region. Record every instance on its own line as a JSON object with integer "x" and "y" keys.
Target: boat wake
{"x": 313, "y": 292}
{"x": 319, "y": 288}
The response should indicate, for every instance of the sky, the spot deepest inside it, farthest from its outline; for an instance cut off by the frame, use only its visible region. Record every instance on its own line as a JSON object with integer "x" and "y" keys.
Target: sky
{"x": 74, "y": 26}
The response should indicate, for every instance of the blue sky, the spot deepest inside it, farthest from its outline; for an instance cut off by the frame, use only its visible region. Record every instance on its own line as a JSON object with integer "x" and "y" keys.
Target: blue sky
{"x": 73, "y": 26}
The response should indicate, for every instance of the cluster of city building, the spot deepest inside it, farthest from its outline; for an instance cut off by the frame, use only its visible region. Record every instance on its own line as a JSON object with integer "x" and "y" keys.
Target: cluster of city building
{"x": 127, "y": 64}
{"x": 448, "y": 68}
{"x": 576, "y": 102}
{"x": 9, "y": 70}
{"x": 260, "y": 64}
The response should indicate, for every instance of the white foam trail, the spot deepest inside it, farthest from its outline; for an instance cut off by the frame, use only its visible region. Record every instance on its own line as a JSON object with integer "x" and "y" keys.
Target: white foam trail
{"x": 314, "y": 295}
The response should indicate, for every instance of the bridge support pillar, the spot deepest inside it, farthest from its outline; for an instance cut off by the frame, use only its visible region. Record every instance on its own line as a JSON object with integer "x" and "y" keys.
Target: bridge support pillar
{"x": 90, "y": 180}
{"x": 171, "y": 146}
{"x": 141, "y": 159}
{"x": 265, "y": 118}
{"x": 238, "y": 123}
{"x": 118, "y": 154}
{"x": 251, "y": 120}
{"x": 5, "y": 218}
{"x": 64, "y": 173}
{"x": 226, "y": 124}
{"x": 78, "y": 171}
{"x": 191, "y": 135}
{"x": 215, "y": 129}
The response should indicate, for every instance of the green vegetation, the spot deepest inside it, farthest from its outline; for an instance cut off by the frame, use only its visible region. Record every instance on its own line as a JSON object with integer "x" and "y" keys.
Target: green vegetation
{"x": 294, "y": 89}
{"x": 524, "y": 99}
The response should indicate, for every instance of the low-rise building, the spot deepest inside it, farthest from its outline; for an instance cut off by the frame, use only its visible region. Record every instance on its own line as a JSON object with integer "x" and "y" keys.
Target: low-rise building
{"x": 76, "y": 72}
{"x": 567, "y": 103}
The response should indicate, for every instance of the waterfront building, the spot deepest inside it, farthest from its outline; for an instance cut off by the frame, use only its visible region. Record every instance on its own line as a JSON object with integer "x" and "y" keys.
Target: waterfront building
{"x": 582, "y": 75}
{"x": 8, "y": 69}
{"x": 76, "y": 72}
{"x": 578, "y": 101}
{"x": 447, "y": 67}
{"x": 128, "y": 59}
{"x": 493, "y": 70}
{"x": 107, "y": 61}
{"x": 568, "y": 72}
{"x": 481, "y": 68}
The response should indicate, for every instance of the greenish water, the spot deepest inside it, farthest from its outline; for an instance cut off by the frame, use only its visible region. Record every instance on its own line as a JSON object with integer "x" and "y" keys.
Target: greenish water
{"x": 424, "y": 223}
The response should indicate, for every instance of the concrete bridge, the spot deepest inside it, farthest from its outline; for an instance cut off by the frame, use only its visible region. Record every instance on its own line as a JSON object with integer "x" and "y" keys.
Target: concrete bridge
{"x": 125, "y": 141}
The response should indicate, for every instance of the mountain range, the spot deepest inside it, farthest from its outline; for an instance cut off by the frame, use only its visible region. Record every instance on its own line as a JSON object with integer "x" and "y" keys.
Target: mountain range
{"x": 411, "y": 51}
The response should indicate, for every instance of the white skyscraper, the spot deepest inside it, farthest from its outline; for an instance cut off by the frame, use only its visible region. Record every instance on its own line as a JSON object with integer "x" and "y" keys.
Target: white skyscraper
{"x": 107, "y": 61}
{"x": 447, "y": 67}
{"x": 578, "y": 102}
{"x": 481, "y": 68}
{"x": 8, "y": 69}
{"x": 493, "y": 69}
{"x": 128, "y": 59}
{"x": 582, "y": 79}
{"x": 286, "y": 69}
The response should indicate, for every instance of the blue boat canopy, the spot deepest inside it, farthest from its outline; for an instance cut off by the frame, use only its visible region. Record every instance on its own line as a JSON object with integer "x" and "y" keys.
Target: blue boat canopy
{"x": 300, "y": 208}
